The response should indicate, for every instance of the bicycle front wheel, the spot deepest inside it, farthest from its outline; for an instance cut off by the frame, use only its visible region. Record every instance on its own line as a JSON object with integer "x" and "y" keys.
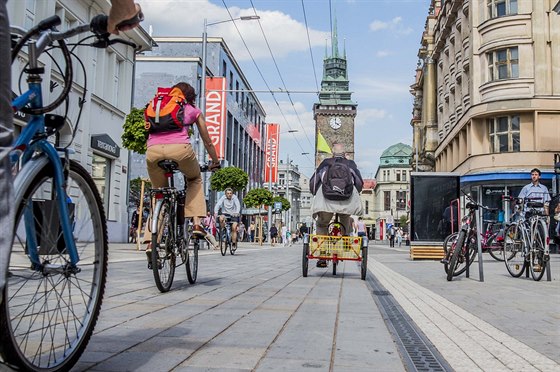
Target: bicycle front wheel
{"x": 192, "y": 246}
{"x": 50, "y": 306}
{"x": 163, "y": 254}
{"x": 537, "y": 262}
{"x": 223, "y": 243}
{"x": 454, "y": 261}
{"x": 448, "y": 247}
{"x": 514, "y": 253}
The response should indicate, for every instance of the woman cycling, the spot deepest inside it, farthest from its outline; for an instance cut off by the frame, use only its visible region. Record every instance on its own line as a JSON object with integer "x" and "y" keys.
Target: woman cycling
{"x": 176, "y": 145}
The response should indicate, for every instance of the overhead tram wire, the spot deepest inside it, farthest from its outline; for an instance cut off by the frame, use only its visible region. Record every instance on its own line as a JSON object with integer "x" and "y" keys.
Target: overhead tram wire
{"x": 280, "y": 76}
{"x": 264, "y": 80}
{"x": 309, "y": 43}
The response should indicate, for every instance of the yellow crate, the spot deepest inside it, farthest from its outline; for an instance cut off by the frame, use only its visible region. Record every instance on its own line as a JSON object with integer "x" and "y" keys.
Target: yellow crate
{"x": 345, "y": 247}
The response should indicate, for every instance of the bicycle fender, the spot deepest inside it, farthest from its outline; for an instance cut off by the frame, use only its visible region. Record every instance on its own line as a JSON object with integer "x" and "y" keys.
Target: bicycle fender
{"x": 27, "y": 174}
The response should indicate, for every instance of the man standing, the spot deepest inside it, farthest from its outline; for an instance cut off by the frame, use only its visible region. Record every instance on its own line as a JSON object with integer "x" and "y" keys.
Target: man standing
{"x": 536, "y": 190}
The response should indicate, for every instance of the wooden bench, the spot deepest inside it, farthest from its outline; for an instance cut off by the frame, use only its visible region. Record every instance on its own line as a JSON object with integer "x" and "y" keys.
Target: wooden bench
{"x": 429, "y": 252}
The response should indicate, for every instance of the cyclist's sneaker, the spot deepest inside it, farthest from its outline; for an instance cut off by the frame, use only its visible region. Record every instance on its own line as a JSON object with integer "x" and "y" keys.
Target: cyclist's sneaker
{"x": 444, "y": 261}
{"x": 197, "y": 230}
{"x": 322, "y": 263}
{"x": 537, "y": 268}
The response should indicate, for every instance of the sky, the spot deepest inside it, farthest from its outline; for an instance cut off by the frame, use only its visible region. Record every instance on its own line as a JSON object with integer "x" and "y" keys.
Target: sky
{"x": 284, "y": 50}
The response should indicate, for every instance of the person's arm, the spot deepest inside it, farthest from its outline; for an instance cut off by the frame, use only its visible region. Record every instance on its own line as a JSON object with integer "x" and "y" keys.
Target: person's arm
{"x": 358, "y": 181}
{"x": 237, "y": 204}
{"x": 218, "y": 205}
{"x": 122, "y": 10}
{"x": 203, "y": 131}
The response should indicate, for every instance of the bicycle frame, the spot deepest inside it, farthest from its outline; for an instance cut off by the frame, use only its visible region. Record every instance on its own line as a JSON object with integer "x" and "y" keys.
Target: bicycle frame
{"x": 24, "y": 149}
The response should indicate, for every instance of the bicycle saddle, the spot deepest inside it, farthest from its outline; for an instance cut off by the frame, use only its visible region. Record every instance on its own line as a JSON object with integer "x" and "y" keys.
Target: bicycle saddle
{"x": 168, "y": 165}
{"x": 472, "y": 206}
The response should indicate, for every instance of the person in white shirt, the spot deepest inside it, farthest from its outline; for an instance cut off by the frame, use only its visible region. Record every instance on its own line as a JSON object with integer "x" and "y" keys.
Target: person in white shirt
{"x": 536, "y": 190}
{"x": 230, "y": 207}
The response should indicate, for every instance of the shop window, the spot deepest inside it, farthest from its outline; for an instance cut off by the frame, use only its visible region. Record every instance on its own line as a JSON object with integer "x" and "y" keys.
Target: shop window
{"x": 101, "y": 173}
{"x": 503, "y": 64}
{"x": 504, "y": 134}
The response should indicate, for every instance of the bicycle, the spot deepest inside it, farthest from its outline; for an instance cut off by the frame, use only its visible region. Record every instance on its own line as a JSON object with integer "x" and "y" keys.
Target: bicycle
{"x": 170, "y": 241}
{"x": 224, "y": 237}
{"x": 335, "y": 247}
{"x": 58, "y": 259}
{"x": 526, "y": 241}
{"x": 491, "y": 241}
{"x": 461, "y": 248}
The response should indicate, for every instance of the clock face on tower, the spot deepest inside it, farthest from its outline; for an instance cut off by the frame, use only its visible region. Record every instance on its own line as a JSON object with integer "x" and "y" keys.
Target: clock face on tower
{"x": 335, "y": 122}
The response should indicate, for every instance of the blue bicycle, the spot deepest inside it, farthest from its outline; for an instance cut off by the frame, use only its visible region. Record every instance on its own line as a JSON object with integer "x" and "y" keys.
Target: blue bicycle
{"x": 224, "y": 237}
{"x": 58, "y": 260}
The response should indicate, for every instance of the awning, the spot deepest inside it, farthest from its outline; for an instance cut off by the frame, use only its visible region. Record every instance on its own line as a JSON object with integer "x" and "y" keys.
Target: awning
{"x": 253, "y": 211}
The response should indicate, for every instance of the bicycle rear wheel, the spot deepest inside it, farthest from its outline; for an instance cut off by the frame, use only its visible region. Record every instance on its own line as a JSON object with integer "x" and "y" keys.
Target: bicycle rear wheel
{"x": 363, "y": 267}
{"x": 448, "y": 246}
{"x": 192, "y": 246}
{"x": 454, "y": 262}
{"x": 163, "y": 254}
{"x": 305, "y": 260}
{"x": 514, "y": 255}
{"x": 537, "y": 263}
{"x": 50, "y": 308}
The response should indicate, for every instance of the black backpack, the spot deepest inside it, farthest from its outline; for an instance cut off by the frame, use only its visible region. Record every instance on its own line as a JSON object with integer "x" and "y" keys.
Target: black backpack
{"x": 338, "y": 182}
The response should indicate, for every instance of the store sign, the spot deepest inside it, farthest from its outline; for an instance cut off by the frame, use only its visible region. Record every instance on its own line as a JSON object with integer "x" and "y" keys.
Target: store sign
{"x": 216, "y": 113}
{"x": 105, "y": 144}
{"x": 271, "y": 164}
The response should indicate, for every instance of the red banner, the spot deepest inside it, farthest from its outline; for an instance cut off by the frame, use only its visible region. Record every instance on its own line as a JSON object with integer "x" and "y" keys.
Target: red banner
{"x": 254, "y": 132}
{"x": 271, "y": 164}
{"x": 216, "y": 113}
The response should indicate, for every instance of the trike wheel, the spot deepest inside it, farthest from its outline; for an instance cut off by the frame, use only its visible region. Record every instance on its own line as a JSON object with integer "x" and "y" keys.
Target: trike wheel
{"x": 364, "y": 263}
{"x": 305, "y": 260}
{"x": 334, "y": 265}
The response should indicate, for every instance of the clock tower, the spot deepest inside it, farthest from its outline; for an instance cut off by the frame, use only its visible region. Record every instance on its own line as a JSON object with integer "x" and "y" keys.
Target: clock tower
{"x": 335, "y": 112}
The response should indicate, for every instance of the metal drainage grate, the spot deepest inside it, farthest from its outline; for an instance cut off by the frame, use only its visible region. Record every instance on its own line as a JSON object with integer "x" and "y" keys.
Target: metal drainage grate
{"x": 417, "y": 352}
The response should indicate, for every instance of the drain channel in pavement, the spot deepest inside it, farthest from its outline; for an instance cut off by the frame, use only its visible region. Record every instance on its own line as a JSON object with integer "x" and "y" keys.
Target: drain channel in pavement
{"x": 417, "y": 352}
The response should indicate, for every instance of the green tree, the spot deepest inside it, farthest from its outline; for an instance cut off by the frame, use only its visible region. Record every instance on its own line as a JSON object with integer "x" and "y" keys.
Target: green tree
{"x": 285, "y": 203}
{"x": 134, "y": 135}
{"x": 256, "y": 198}
{"x": 135, "y": 187}
{"x": 232, "y": 177}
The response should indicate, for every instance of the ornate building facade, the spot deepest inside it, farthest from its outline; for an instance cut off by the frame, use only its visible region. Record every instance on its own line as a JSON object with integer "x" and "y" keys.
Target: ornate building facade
{"x": 487, "y": 92}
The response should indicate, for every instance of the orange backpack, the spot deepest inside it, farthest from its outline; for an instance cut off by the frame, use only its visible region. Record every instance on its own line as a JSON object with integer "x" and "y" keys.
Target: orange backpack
{"x": 165, "y": 111}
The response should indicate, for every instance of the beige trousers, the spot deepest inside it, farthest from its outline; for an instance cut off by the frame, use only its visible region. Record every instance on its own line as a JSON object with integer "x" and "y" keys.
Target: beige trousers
{"x": 183, "y": 154}
{"x": 324, "y": 219}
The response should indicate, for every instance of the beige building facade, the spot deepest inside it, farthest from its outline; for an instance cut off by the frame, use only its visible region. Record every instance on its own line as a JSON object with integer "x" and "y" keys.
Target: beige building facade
{"x": 487, "y": 92}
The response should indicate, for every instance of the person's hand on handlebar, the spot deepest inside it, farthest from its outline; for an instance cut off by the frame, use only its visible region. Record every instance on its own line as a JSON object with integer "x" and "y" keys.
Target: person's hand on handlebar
{"x": 123, "y": 10}
{"x": 214, "y": 165}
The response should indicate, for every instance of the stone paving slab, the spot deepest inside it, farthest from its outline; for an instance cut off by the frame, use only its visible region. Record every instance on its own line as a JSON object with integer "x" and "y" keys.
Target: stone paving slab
{"x": 453, "y": 317}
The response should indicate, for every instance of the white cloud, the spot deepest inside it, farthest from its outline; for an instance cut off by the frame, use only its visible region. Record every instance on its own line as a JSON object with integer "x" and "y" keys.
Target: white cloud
{"x": 383, "y": 53}
{"x": 394, "y": 25}
{"x": 284, "y": 34}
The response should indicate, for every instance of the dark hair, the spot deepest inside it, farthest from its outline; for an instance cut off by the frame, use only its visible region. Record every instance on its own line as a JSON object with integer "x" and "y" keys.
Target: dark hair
{"x": 188, "y": 92}
{"x": 536, "y": 170}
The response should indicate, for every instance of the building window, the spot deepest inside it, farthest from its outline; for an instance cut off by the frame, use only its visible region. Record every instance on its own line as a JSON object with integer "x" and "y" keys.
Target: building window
{"x": 101, "y": 173}
{"x": 504, "y": 134}
{"x": 500, "y": 8}
{"x": 230, "y": 82}
{"x": 224, "y": 69}
{"x": 387, "y": 200}
{"x": 401, "y": 200}
{"x": 237, "y": 91}
{"x": 503, "y": 64}
{"x": 367, "y": 207}
{"x": 398, "y": 175}
{"x": 404, "y": 175}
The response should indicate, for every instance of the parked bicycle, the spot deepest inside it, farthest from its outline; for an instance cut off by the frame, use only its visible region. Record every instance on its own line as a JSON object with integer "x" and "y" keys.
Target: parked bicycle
{"x": 224, "y": 237}
{"x": 58, "y": 259}
{"x": 526, "y": 240}
{"x": 171, "y": 246}
{"x": 461, "y": 248}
